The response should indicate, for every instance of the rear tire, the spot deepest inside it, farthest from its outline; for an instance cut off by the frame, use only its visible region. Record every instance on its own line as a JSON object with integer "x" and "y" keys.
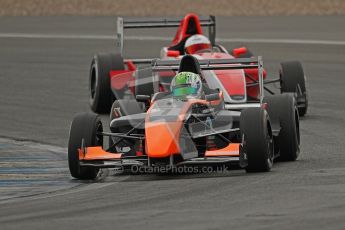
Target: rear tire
{"x": 101, "y": 96}
{"x": 84, "y": 127}
{"x": 258, "y": 140}
{"x": 293, "y": 81}
{"x": 282, "y": 109}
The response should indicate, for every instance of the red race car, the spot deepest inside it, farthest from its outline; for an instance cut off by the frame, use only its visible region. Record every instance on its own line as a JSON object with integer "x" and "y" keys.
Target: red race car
{"x": 108, "y": 71}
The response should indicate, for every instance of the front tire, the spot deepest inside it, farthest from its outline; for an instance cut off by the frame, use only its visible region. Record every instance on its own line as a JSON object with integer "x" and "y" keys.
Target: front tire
{"x": 282, "y": 109}
{"x": 84, "y": 128}
{"x": 257, "y": 140}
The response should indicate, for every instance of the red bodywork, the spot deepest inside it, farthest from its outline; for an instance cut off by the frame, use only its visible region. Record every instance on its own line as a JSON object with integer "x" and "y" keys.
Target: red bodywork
{"x": 233, "y": 80}
{"x": 182, "y": 31}
{"x": 120, "y": 79}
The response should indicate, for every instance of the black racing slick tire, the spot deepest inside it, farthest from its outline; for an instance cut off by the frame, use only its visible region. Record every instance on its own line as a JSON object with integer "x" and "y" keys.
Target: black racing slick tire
{"x": 293, "y": 81}
{"x": 84, "y": 129}
{"x": 258, "y": 146}
{"x": 100, "y": 94}
{"x": 282, "y": 110}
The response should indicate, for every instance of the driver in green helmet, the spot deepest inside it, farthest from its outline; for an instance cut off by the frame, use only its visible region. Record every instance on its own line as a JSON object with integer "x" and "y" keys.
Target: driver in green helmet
{"x": 186, "y": 85}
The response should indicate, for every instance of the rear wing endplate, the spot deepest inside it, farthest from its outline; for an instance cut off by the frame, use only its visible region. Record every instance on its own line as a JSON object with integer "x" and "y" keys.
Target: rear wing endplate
{"x": 124, "y": 23}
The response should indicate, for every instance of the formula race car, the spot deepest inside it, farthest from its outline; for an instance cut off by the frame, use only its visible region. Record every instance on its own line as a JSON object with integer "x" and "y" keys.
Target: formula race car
{"x": 108, "y": 70}
{"x": 189, "y": 126}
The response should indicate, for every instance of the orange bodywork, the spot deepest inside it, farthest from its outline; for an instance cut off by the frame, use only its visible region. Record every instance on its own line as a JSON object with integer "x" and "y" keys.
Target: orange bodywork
{"x": 232, "y": 150}
{"x": 97, "y": 153}
{"x": 162, "y": 138}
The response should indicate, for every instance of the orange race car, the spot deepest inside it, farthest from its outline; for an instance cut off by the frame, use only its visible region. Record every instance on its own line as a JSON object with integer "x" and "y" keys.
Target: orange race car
{"x": 188, "y": 126}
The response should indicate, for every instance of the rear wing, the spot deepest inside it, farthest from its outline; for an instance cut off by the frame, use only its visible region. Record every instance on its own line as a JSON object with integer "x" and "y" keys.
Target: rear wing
{"x": 124, "y": 23}
{"x": 216, "y": 64}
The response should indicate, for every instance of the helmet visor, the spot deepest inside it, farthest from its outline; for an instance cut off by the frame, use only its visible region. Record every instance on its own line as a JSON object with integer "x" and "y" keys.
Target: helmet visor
{"x": 184, "y": 91}
{"x": 196, "y": 47}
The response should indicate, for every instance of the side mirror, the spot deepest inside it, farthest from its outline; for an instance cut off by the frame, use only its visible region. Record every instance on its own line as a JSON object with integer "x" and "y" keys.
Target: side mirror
{"x": 239, "y": 51}
{"x": 173, "y": 53}
{"x": 143, "y": 98}
{"x": 212, "y": 97}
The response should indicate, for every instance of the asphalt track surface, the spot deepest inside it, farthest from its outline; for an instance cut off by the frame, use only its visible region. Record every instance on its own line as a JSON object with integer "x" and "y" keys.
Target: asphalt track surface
{"x": 44, "y": 83}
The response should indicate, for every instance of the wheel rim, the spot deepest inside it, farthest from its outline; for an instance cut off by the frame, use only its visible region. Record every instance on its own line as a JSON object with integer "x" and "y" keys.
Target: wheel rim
{"x": 281, "y": 81}
{"x": 270, "y": 149}
{"x": 93, "y": 82}
{"x": 298, "y": 138}
{"x": 99, "y": 137}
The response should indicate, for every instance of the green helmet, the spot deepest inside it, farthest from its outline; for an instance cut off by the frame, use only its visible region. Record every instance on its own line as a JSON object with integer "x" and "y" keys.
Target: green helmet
{"x": 186, "y": 84}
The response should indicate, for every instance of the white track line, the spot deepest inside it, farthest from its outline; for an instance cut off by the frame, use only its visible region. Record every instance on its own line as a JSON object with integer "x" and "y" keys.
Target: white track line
{"x": 284, "y": 41}
{"x": 57, "y": 36}
{"x": 156, "y": 38}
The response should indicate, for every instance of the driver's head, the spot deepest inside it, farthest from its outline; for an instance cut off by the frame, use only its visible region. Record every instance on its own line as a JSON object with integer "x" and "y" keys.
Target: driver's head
{"x": 186, "y": 85}
{"x": 197, "y": 43}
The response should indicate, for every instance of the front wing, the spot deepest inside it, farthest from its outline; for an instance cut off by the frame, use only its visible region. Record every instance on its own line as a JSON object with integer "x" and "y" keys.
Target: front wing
{"x": 99, "y": 158}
